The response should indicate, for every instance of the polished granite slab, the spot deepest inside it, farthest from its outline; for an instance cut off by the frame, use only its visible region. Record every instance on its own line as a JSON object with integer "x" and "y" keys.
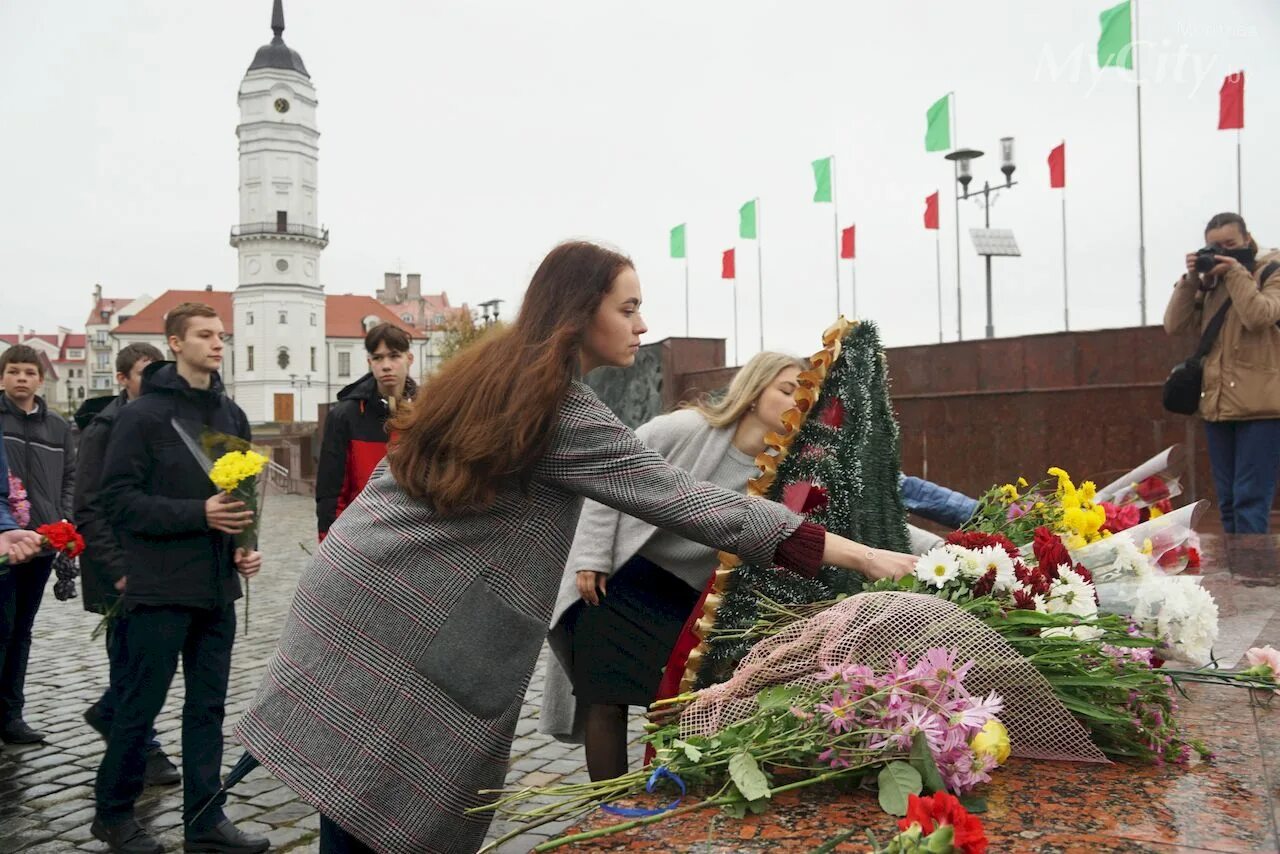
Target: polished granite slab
{"x": 1226, "y": 803}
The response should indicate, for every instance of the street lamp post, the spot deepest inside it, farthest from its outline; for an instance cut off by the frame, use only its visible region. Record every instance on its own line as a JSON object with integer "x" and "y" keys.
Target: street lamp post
{"x": 964, "y": 158}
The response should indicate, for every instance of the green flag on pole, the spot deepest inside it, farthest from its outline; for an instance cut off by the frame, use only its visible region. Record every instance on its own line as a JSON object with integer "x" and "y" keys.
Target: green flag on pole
{"x": 677, "y": 241}
{"x": 822, "y": 180}
{"x": 937, "y": 135}
{"x": 747, "y": 220}
{"x": 1115, "y": 43}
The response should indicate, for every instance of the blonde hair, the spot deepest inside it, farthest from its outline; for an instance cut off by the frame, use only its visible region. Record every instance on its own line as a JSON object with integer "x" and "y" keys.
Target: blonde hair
{"x": 747, "y": 386}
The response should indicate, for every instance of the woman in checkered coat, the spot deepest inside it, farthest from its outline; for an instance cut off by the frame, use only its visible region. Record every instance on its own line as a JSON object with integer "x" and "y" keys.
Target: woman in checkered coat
{"x": 393, "y": 695}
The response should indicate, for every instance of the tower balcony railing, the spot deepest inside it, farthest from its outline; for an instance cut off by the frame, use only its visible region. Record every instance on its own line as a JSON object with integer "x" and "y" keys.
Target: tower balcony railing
{"x": 258, "y": 229}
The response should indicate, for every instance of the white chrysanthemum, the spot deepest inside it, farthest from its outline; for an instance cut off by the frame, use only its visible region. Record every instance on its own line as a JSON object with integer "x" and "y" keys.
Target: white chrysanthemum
{"x": 937, "y": 566}
{"x": 1081, "y": 633}
{"x": 1129, "y": 562}
{"x": 1188, "y": 621}
{"x": 994, "y": 557}
{"x": 1071, "y": 594}
{"x": 969, "y": 561}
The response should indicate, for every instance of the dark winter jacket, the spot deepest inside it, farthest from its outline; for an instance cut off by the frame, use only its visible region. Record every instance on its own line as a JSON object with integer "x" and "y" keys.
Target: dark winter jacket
{"x": 154, "y": 492}
{"x": 42, "y": 454}
{"x": 103, "y": 561}
{"x": 355, "y": 441}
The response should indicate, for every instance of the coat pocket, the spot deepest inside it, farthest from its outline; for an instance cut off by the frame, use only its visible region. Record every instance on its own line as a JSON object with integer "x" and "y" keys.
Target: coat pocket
{"x": 474, "y": 656}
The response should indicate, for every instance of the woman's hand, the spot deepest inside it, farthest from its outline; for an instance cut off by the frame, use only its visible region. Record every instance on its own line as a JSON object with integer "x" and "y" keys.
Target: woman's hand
{"x": 588, "y": 583}
{"x": 873, "y": 563}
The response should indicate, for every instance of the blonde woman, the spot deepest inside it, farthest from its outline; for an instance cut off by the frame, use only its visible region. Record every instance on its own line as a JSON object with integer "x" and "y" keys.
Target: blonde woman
{"x": 628, "y": 586}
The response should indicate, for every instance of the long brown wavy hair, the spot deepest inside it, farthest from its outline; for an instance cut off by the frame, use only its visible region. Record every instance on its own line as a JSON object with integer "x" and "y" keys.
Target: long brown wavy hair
{"x": 486, "y": 416}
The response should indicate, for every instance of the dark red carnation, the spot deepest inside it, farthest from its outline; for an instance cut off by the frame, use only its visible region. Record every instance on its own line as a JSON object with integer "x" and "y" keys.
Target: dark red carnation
{"x": 1050, "y": 552}
{"x": 1023, "y": 601}
{"x": 980, "y": 539}
{"x": 984, "y": 585}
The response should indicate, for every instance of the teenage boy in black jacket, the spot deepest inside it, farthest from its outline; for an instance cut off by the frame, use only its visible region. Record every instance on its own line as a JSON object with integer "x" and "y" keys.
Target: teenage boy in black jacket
{"x": 42, "y": 455}
{"x": 355, "y": 430}
{"x": 104, "y": 564}
{"x": 176, "y": 531}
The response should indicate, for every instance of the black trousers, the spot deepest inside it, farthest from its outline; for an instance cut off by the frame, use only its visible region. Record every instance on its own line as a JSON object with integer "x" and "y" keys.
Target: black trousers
{"x": 154, "y": 638}
{"x": 335, "y": 840}
{"x": 106, "y": 707}
{"x": 21, "y": 590}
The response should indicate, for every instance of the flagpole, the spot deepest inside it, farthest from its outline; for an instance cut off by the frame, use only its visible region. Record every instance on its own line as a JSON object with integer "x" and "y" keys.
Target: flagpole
{"x": 686, "y": 293}
{"x": 760, "y": 272}
{"x": 735, "y": 311}
{"x": 1142, "y": 231}
{"x": 1066, "y": 311}
{"x": 835, "y": 222}
{"x": 937, "y": 244}
{"x": 955, "y": 189}
{"x": 1239, "y": 178}
{"x": 853, "y": 281}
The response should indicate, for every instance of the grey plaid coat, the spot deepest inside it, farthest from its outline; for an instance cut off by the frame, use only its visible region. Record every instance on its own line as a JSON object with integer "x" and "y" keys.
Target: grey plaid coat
{"x": 393, "y": 695}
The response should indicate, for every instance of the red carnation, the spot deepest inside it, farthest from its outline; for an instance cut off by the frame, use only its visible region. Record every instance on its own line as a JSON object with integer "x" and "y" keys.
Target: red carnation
{"x": 1120, "y": 518}
{"x": 62, "y": 537}
{"x": 1050, "y": 552}
{"x": 1193, "y": 558}
{"x": 1152, "y": 489}
{"x": 979, "y": 539}
{"x": 943, "y": 808}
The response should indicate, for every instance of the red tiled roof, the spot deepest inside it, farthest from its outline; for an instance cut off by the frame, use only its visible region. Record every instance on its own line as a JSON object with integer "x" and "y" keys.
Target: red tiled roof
{"x": 150, "y": 321}
{"x": 107, "y": 304}
{"x": 344, "y": 315}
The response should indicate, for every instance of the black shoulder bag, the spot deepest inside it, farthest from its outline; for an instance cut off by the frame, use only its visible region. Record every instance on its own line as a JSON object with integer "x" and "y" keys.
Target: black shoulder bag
{"x": 1182, "y": 388}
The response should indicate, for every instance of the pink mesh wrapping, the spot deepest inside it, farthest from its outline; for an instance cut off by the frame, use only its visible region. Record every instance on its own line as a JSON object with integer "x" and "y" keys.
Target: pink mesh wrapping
{"x": 870, "y": 629}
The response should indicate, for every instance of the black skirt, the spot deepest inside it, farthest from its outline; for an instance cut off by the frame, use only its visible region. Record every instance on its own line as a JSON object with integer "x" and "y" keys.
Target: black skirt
{"x": 621, "y": 645}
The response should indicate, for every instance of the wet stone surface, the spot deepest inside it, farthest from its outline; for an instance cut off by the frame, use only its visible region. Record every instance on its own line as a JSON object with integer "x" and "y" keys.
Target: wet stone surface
{"x": 46, "y": 790}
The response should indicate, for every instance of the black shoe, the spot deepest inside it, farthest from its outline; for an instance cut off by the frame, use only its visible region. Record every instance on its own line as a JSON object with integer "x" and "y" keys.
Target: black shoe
{"x": 127, "y": 837}
{"x": 93, "y": 717}
{"x": 17, "y": 732}
{"x": 160, "y": 771}
{"x": 225, "y": 838}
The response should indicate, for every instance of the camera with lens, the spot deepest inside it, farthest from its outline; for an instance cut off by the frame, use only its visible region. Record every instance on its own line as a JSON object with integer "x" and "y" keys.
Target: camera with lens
{"x": 1206, "y": 259}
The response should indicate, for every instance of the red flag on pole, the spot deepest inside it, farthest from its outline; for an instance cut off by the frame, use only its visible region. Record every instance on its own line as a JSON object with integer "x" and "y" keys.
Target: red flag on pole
{"x": 727, "y": 270}
{"x": 931, "y": 211}
{"x": 1058, "y": 167}
{"x": 847, "y": 242}
{"x": 1231, "y": 102}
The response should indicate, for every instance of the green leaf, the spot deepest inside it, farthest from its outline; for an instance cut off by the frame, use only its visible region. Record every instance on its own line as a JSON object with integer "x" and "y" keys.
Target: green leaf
{"x": 831, "y": 844}
{"x": 973, "y": 803}
{"x": 778, "y": 697}
{"x": 922, "y": 762}
{"x": 691, "y": 753}
{"x": 747, "y": 776}
{"x": 736, "y": 809}
{"x": 758, "y": 806}
{"x": 897, "y": 780}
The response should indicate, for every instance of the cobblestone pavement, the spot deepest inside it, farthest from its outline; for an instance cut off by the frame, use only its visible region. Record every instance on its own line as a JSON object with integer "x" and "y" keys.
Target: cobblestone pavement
{"x": 46, "y": 790}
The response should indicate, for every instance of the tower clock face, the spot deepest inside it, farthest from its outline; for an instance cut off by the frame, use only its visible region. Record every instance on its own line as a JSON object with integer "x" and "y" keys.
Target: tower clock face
{"x": 282, "y": 105}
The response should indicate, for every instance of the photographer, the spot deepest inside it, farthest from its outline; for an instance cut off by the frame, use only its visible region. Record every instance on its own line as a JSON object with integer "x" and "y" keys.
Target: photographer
{"x": 1240, "y": 392}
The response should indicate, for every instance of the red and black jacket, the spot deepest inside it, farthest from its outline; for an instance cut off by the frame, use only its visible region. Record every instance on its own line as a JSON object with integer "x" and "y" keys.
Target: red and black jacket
{"x": 355, "y": 441}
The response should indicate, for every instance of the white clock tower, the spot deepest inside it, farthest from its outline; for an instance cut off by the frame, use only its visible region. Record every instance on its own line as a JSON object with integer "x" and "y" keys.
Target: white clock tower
{"x": 279, "y": 364}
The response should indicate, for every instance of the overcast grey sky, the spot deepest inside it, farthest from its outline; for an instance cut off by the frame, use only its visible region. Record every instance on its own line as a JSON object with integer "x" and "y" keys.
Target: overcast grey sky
{"x": 463, "y": 139}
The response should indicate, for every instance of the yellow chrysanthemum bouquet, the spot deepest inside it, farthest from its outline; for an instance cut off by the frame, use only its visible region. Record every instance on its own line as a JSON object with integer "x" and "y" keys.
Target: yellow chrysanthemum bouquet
{"x": 235, "y": 468}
